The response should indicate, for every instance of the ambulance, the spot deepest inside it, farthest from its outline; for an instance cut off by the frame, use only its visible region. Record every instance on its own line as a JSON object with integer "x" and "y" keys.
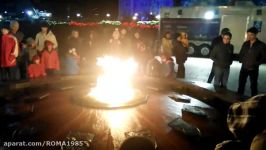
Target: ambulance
{"x": 204, "y": 23}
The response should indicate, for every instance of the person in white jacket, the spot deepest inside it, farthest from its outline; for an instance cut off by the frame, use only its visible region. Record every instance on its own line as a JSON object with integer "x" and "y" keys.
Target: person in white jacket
{"x": 43, "y": 35}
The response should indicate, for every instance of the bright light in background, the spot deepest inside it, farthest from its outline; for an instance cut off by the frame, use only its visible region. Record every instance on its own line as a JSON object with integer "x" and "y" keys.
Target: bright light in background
{"x": 5, "y": 12}
{"x": 22, "y": 12}
{"x": 150, "y": 13}
{"x": 134, "y": 17}
{"x": 108, "y": 15}
{"x": 48, "y": 14}
{"x": 29, "y": 12}
{"x": 136, "y": 14}
{"x": 158, "y": 17}
{"x": 209, "y": 15}
{"x": 1, "y": 17}
{"x": 68, "y": 17}
{"x": 115, "y": 85}
{"x": 78, "y": 15}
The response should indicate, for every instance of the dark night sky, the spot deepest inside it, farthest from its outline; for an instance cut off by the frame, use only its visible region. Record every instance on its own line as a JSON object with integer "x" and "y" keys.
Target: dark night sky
{"x": 62, "y": 8}
{"x": 88, "y": 8}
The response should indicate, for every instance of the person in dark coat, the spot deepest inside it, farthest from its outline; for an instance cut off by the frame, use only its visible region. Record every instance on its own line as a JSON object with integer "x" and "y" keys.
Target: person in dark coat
{"x": 216, "y": 41}
{"x": 251, "y": 56}
{"x": 222, "y": 56}
{"x": 22, "y": 56}
{"x": 180, "y": 53}
{"x": 14, "y": 30}
{"x": 125, "y": 41}
{"x": 114, "y": 45}
{"x": 75, "y": 41}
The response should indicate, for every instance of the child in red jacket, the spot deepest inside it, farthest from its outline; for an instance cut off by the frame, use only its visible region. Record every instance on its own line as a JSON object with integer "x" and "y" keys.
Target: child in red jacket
{"x": 36, "y": 69}
{"x": 49, "y": 58}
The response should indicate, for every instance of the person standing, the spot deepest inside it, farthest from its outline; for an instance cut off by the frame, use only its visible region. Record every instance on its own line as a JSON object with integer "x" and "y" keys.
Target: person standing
{"x": 14, "y": 30}
{"x": 21, "y": 70}
{"x": 8, "y": 54}
{"x": 31, "y": 49}
{"x": 75, "y": 41}
{"x": 222, "y": 56}
{"x": 136, "y": 42}
{"x": 125, "y": 41}
{"x": 43, "y": 35}
{"x": 216, "y": 41}
{"x": 180, "y": 53}
{"x": 114, "y": 46}
{"x": 167, "y": 44}
{"x": 251, "y": 56}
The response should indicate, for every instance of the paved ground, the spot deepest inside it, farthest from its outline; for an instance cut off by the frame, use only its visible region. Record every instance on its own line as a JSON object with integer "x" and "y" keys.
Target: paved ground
{"x": 198, "y": 69}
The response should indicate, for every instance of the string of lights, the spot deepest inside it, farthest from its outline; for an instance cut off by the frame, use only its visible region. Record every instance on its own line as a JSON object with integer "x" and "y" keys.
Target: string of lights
{"x": 138, "y": 24}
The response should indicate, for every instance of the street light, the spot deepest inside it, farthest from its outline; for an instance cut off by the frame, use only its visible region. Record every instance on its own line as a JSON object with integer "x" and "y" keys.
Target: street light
{"x": 108, "y": 15}
{"x": 134, "y": 17}
{"x": 78, "y": 15}
{"x": 158, "y": 17}
{"x": 209, "y": 15}
{"x": 1, "y": 17}
{"x": 136, "y": 14}
{"x": 29, "y": 12}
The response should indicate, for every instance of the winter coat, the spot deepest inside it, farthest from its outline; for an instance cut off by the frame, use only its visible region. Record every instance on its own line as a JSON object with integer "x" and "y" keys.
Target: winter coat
{"x": 76, "y": 43}
{"x": 41, "y": 38}
{"x": 180, "y": 53}
{"x": 8, "y": 51}
{"x": 36, "y": 70}
{"x": 222, "y": 55}
{"x": 167, "y": 46}
{"x": 31, "y": 52}
{"x": 50, "y": 60}
{"x": 252, "y": 57}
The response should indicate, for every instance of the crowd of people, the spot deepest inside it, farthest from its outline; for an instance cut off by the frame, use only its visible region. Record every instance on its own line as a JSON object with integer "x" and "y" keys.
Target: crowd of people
{"x": 27, "y": 58}
{"x": 24, "y": 58}
{"x": 32, "y": 57}
{"x": 251, "y": 56}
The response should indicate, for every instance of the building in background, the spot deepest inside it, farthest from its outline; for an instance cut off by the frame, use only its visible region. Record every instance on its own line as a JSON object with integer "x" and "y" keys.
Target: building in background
{"x": 141, "y": 9}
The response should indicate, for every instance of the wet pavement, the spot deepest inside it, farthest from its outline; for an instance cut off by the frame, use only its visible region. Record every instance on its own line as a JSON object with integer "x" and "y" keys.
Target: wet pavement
{"x": 198, "y": 69}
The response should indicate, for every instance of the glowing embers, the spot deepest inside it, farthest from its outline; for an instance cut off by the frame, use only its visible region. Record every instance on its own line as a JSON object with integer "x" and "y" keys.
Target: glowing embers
{"x": 114, "y": 87}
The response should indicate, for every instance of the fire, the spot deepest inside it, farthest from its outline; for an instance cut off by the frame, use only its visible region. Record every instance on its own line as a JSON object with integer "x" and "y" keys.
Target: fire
{"x": 114, "y": 86}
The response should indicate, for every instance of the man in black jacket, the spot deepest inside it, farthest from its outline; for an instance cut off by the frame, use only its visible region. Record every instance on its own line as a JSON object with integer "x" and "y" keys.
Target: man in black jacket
{"x": 251, "y": 56}
{"x": 180, "y": 53}
{"x": 222, "y": 56}
{"x": 216, "y": 41}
